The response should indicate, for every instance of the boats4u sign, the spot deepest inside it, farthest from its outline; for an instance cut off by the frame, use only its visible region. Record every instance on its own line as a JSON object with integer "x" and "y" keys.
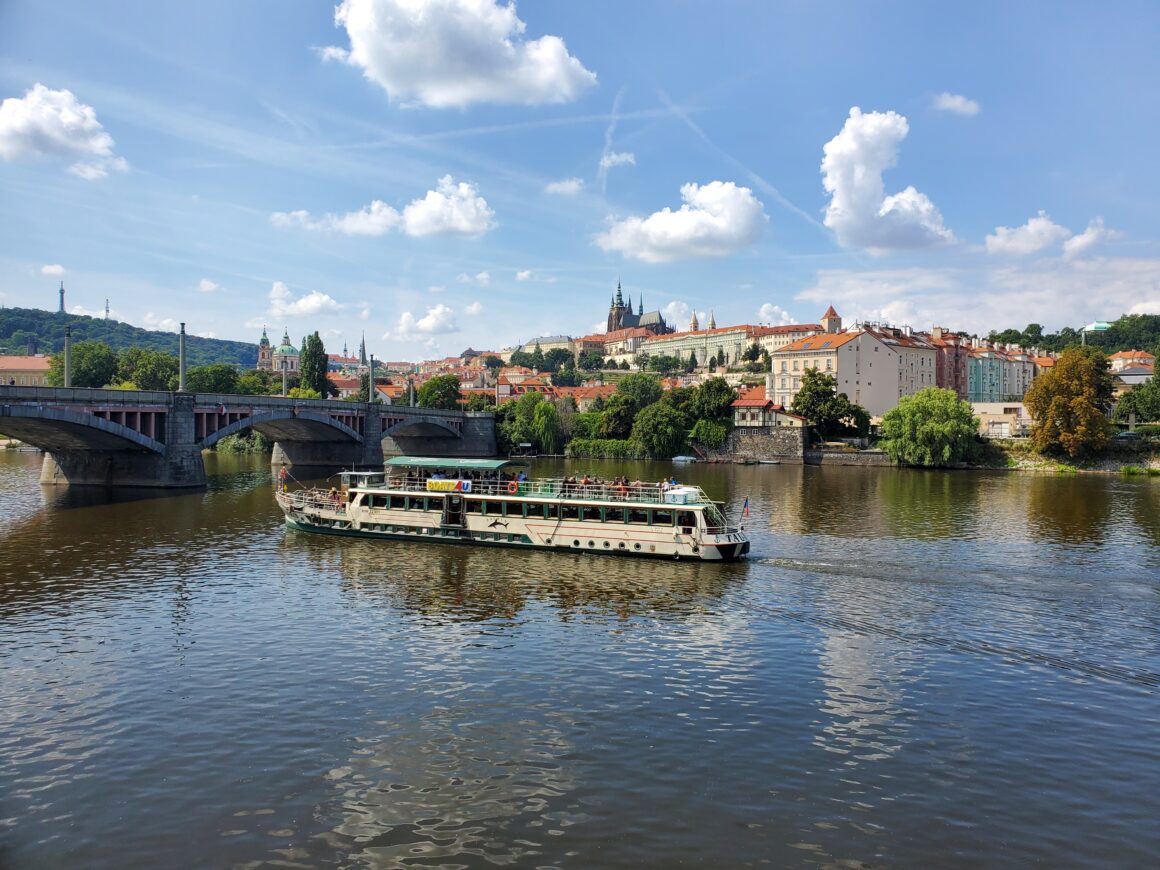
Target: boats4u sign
{"x": 449, "y": 486}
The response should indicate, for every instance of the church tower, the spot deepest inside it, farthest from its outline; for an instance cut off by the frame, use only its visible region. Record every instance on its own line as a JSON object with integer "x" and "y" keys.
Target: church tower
{"x": 265, "y": 353}
{"x": 362, "y": 350}
{"x": 831, "y": 322}
{"x": 712, "y": 321}
{"x": 693, "y": 324}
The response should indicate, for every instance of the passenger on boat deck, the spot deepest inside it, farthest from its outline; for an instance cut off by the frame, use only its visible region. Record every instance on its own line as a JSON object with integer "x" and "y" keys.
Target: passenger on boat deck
{"x": 522, "y": 477}
{"x": 663, "y": 486}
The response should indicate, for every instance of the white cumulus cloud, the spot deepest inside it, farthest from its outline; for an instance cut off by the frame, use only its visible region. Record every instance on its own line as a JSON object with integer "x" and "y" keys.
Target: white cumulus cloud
{"x": 617, "y": 158}
{"x": 1151, "y": 306}
{"x": 1095, "y": 233}
{"x": 207, "y": 286}
{"x": 149, "y": 321}
{"x": 480, "y": 278}
{"x": 55, "y": 124}
{"x": 1038, "y": 233}
{"x": 473, "y": 308}
{"x": 774, "y": 314}
{"x": 565, "y": 186}
{"x": 284, "y": 303}
{"x": 956, "y": 104}
{"x": 679, "y": 315}
{"x": 524, "y": 275}
{"x": 860, "y": 213}
{"x": 453, "y": 208}
{"x": 53, "y": 269}
{"x": 438, "y": 319}
{"x": 717, "y": 219}
{"x": 452, "y": 53}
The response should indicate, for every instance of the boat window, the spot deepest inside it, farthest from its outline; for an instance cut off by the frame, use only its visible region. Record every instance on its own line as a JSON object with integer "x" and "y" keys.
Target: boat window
{"x": 380, "y": 501}
{"x": 590, "y": 514}
{"x": 473, "y": 506}
{"x": 569, "y": 511}
{"x": 551, "y": 511}
{"x": 636, "y": 515}
{"x": 686, "y": 519}
{"x": 662, "y": 518}
{"x": 614, "y": 515}
{"x": 399, "y": 502}
{"x": 416, "y": 503}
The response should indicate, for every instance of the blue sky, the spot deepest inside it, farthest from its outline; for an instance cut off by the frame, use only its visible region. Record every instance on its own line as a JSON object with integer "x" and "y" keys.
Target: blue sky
{"x": 446, "y": 173}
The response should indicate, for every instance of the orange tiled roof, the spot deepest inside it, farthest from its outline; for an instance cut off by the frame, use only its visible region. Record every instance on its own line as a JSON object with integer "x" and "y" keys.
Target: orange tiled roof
{"x": 25, "y": 363}
{"x": 826, "y": 341}
{"x": 1139, "y": 355}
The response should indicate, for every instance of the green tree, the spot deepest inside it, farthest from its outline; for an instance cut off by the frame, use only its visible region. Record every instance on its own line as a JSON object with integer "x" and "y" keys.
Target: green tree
{"x": 94, "y": 364}
{"x": 148, "y": 369}
{"x": 623, "y": 365}
{"x": 830, "y": 411}
{"x": 590, "y": 360}
{"x": 480, "y": 402}
{"x": 1068, "y": 403}
{"x": 1143, "y": 401}
{"x": 558, "y": 358}
{"x": 660, "y": 430}
{"x": 680, "y": 399}
{"x": 312, "y": 364}
{"x": 546, "y": 426}
{"x": 752, "y": 353}
{"x": 213, "y": 378}
{"x": 691, "y": 365}
{"x": 492, "y": 362}
{"x": 934, "y": 427}
{"x": 523, "y": 359}
{"x": 713, "y": 400}
{"x": 441, "y": 391}
{"x": 641, "y": 389}
{"x": 304, "y": 393}
{"x": 618, "y": 416}
{"x": 536, "y": 360}
{"x": 254, "y": 383}
{"x": 567, "y": 377}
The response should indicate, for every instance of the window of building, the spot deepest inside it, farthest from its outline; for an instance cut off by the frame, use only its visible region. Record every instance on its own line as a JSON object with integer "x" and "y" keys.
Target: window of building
{"x": 783, "y": 365}
{"x": 829, "y": 365}
{"x": 795, "y": 365}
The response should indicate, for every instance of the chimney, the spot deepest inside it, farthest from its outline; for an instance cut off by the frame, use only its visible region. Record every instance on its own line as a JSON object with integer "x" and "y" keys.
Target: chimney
{"x": 936, "y": 332}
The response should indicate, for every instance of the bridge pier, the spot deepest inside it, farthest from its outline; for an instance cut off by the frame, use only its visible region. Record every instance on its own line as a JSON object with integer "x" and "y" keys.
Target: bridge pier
{"x": 179, "y": 467}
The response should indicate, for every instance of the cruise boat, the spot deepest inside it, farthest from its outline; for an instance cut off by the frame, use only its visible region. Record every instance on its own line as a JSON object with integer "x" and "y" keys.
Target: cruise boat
{"x": 492, "y": 503}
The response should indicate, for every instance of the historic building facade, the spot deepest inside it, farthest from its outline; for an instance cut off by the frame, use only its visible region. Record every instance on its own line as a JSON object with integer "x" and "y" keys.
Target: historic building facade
{"x": 621, "y": 316}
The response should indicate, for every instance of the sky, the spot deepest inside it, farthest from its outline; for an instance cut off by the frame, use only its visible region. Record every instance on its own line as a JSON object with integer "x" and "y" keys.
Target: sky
{"x": 439, "y": 174}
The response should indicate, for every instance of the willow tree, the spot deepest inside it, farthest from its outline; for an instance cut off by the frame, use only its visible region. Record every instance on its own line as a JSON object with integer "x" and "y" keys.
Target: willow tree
{"x": 934, "y": 427}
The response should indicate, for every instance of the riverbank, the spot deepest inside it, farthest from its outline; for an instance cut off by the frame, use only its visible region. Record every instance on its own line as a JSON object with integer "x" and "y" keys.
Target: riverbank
{"x": 1140, "y": 457}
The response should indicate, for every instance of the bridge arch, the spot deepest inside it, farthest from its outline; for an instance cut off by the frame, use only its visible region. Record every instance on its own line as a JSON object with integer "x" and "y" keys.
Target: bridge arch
{"x": 290, "y": 425}
{"x": 422, "y": 426}
{"x": 57, "y": 430}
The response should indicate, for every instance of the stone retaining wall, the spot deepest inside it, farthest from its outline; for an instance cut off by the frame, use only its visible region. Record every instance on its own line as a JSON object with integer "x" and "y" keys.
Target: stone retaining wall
{"x": 784, "y": 443}
{"x": 848, "y": 457}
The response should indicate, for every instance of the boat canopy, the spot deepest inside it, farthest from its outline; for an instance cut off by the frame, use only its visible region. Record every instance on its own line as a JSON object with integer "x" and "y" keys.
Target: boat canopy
{"x": 453, "y": 464}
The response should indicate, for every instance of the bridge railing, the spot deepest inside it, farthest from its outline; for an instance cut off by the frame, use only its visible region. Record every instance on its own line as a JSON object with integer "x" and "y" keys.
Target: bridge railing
{"x": 84, "y": 396}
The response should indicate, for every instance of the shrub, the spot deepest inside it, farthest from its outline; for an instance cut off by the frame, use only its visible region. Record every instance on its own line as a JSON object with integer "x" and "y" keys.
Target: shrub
{"x": 711, "y": 433}
{"x": 605, "y": 448}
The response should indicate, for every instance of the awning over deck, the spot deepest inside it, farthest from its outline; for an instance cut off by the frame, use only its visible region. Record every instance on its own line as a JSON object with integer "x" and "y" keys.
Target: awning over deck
{"x": 435, "y": 462}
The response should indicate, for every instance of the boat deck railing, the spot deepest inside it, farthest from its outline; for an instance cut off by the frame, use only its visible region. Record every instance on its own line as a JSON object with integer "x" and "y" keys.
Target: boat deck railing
{"x": 557, "y": 488}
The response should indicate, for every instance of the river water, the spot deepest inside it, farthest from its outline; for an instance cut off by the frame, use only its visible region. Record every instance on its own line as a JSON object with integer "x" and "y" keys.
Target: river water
{"x": 913, "y": 669}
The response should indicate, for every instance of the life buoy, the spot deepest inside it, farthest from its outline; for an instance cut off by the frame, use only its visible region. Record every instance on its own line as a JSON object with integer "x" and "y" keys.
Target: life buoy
{"x": 513, "y": 487}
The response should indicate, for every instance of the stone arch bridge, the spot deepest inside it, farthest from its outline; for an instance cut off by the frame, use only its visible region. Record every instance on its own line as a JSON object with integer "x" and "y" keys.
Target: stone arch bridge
{"x": 155, "y": 439}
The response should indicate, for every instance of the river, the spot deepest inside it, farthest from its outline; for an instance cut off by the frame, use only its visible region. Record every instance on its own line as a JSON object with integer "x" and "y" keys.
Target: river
{"x": 912, "y": 669}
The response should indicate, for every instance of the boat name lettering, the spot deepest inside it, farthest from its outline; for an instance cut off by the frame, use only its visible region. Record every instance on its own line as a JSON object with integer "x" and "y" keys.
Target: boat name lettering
{"x": 449, "y": 486}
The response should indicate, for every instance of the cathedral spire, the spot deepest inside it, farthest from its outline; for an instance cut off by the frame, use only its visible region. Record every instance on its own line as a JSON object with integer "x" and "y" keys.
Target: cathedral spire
{"x": 712, "y": 321}
{"x": 619, "y": 297}
{"x": 362, "y": 350}
{"x": 693, "y": 324}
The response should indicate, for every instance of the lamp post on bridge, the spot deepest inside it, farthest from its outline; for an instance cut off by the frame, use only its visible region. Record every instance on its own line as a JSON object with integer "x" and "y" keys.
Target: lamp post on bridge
{"x": 285, "y": 391}
{"x": 67, "y": 353}
{"x": 181, "y": 359}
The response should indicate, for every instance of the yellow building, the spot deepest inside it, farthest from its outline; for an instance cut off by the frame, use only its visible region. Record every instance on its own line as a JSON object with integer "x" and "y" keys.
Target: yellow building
{"x": 24, "y": 371}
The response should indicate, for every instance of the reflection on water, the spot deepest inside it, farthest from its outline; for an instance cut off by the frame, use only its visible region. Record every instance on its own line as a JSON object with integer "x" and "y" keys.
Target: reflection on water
{"x": 912, "y": 668}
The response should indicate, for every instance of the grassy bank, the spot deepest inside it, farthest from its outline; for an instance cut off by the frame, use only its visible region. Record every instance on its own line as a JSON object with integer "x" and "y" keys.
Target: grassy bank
{"x": 1140, "y": 457}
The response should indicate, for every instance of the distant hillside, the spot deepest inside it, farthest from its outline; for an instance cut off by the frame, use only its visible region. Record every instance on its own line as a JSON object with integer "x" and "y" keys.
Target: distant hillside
{"x": 24, "y": 329}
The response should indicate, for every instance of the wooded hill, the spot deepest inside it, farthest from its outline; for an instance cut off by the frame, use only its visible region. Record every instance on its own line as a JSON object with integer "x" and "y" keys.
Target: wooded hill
{"x": 31, "y": 330}
{"x": 1128, "y": 332}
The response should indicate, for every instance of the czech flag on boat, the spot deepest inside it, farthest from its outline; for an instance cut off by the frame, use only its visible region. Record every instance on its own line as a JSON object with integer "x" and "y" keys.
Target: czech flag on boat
{"x": 745, "y": 507}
